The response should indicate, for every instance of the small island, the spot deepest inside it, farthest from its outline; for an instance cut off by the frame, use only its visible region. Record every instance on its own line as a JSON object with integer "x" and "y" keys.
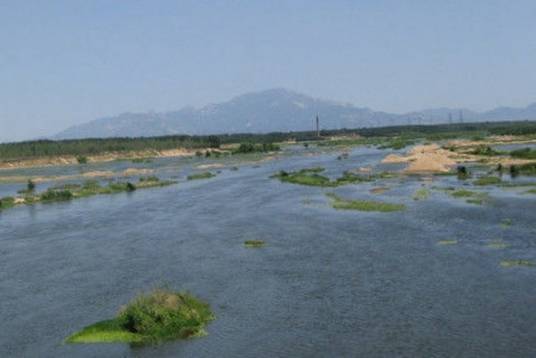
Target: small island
{"x": 158, "y": 316}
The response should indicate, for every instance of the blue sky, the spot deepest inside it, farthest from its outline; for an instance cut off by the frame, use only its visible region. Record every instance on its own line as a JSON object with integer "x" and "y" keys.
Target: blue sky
{"x": 68, "y": 62}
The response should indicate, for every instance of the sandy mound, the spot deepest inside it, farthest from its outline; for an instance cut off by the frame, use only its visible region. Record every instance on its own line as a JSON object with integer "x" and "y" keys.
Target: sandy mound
{"x": 424, "y": 159}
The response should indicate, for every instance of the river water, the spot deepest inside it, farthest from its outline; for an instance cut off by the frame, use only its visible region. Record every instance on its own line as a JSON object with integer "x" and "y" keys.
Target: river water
{"x": 327, "y": 284}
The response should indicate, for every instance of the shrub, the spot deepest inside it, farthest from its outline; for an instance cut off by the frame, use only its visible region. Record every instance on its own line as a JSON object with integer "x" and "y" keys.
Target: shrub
{"x": 462, "y": 172}
{"x": 151, "y": 318}
{"x": 81, "y": 159}
{"x": 524, "y": 153}
{"x": 30, "y": 187}
{"x": 56, "y": 195}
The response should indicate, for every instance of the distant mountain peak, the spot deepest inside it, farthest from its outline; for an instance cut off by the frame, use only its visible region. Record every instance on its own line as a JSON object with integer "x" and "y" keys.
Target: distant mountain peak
{"x": 273, "y": 110}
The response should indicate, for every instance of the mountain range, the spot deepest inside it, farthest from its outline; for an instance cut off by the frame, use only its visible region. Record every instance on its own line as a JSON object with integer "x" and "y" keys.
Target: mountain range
{"x": 275, "y": 110}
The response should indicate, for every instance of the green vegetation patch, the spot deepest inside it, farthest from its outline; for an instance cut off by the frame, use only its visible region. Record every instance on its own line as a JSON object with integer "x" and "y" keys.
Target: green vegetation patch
{"x": 204, "y": 175}
{"x": 248, "y": 147}
{"x": 497, "y": 244}
{"x": 421, "y": 194}
{"x": 524, "y": 153}
{"x": 485, "y": 150}
{"x": 506, "y": 223}
{"x": 472, "y": 197}
{"x": 311, "y": 177}
{"x": 363, "y": 205}
{"x": 489, "y": 180}
{"x": 517, "y": 263}
{"x": 254, "y": 243}
{"x": 447, "y": 242}
{"x": 158, "y": 316}
{"x": 7, "y": 202}
{"x": 397, "y": 143}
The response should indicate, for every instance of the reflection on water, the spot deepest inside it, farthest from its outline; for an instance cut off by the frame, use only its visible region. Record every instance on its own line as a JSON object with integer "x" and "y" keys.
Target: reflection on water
{"x": 327, "y": 283}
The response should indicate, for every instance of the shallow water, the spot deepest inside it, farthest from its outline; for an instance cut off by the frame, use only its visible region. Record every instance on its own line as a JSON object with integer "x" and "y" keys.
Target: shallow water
{"x": 328, "y": 283}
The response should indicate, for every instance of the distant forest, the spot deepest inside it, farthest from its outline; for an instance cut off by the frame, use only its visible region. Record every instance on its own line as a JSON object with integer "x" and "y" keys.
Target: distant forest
{"x": 85, "y": 147}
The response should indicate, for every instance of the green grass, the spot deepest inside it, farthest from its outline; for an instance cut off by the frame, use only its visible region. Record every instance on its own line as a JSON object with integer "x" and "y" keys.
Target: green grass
{"x": 311, "y": 177}
{"x": 7, "y": 202}
{"x": 497, "y": 244}
{"x": 506, "y": 223}
{"x": 489, "y": 180}
{"x": 109, "y": 331}
{"x": 363, "y": 205}
{"x": 485, "y": 150}
{"x": 531, "y": 191}
{"x": 396, "y": 143}
{"x": 524, "y": 153}
{"x": 254, "y": 243}
{"x": 421, "y": 194}
{"x": 158, "y": 316}
{"x": 447, "y": 242}
{"x": 517, "y": 263}
{"x": 472, "y": 197}
{"x": 89, "y": 188}
{"x": 204, "y": 175}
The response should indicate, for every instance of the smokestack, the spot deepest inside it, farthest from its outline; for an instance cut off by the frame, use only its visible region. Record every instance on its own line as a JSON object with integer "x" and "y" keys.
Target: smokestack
{"x": 317, "y": 126}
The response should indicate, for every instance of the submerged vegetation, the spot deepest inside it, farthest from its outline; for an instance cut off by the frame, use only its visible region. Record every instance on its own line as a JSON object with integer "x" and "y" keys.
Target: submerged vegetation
{"x": 204, "y": 175}
{"x": 363, "y": 205}
{"x": 158, "y": 316}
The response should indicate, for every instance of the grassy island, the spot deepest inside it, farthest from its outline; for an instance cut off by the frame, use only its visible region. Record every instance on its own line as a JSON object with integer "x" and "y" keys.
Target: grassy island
{"x": 311, "y": 177}
{"x": 363, "y": 205}
{"x": 204, "y": 175}
{"x": 73, "y": 191}
{"x": 253, "y": 243}
{"x": 158, "y": 316}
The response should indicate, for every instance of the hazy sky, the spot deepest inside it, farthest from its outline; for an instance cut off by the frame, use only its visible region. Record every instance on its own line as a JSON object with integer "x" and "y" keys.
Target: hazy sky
{"x": 68, "y": 62}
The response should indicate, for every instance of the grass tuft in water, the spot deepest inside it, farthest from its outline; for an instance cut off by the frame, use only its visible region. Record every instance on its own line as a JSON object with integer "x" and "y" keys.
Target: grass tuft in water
{"x": 158, "y": 316}
{"x": 363, "y": 205}
{"x": 497, "y": 244}
{"x": 490, "y": 180}
{"x": 254, "y": 243}
{"x": 421, "y": 194}
{"x": 447, "y": 242}
{"x": 204, "y": 175}
{"x": 472, "y": 197}
{"x": 517, "y": 263}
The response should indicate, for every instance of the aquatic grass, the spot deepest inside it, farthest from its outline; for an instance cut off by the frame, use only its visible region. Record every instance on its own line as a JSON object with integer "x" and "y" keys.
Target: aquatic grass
{"x": 363, "y": 205}
{"x": 7, "y": 202}
{"x": 517, "y": 263}
{"x": 497, "y": 244}
{"x": 310, "y": 176}
{"x": 158, "y": 316}
{"x": 524, "y": 153}
{"x": 506, "y": 223}
{"x": 447, "y": 242}
{"x": 472, "y": 197}
{"x": 89, "y": 188}
{"x": 204, "y": 175}
{"x": 254, "y": 243}
{"x": 421, "y": 194}
{"x": 488, "y": 180}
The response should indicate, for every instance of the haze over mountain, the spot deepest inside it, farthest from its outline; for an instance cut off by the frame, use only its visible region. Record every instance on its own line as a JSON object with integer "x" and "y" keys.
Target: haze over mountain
{"x": 274, "y": 110}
